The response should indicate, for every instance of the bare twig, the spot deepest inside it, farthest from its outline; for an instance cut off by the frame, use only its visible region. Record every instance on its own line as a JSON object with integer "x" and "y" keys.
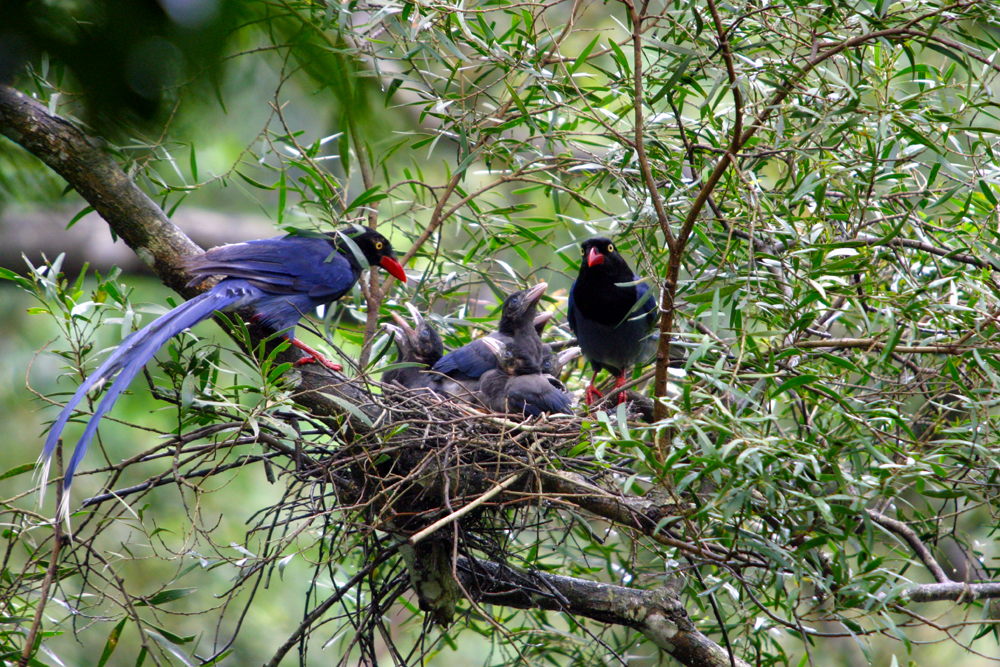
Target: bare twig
{"x": 912, "y": 539}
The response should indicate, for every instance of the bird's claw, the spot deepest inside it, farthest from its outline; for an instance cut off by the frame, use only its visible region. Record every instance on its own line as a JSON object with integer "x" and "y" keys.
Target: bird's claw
{"x": 619, "y": 383}
{"x": 319, "y": 360}
{"x": 312, "y": 356}
{"x": 592, "y": 395}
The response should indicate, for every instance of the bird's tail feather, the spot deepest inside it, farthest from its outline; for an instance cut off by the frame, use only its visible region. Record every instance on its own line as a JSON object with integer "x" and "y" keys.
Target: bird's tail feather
{"x": 127, "y": 360}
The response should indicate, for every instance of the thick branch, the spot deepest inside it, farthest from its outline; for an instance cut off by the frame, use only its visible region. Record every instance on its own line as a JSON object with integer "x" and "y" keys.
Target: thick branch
{"x": 657, "y": 614}
{"x": 92, "y": 172}
{"x": 955, "y": 592}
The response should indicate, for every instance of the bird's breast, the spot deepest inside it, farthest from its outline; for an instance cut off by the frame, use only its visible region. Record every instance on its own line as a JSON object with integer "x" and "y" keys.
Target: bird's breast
{"x": 615, "y": 346}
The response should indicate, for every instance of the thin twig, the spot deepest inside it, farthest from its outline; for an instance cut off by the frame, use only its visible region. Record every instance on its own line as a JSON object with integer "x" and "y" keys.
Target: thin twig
{"x": 50, "y": 573}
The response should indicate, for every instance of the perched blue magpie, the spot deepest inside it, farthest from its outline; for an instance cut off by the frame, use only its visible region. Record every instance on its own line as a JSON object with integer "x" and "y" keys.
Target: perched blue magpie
{"x": 281, "y": 279}
{"x": 467, "y": 364}
{"x": 611, "y": 314}
{"x": 517, "y": 383}
{"x": 419, "y": 344}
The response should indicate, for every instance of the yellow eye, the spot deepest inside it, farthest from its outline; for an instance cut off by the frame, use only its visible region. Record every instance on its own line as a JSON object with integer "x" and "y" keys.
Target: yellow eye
{"x": 611, "y": 247}
{"x": 583, "y": 251}
{"x": 378, "y": 245}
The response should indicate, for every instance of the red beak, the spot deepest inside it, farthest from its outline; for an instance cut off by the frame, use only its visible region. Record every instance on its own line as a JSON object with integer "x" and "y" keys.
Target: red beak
{"x": 391, "y": 265}
{"x": 594, "y": 257}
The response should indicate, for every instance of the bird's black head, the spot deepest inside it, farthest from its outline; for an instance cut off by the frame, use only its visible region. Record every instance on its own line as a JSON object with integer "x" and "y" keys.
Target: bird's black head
{"x": 553, "y": 364}
{"x": 511, "y": 358}
{"x": 422, "y": 340}
{"x": 601, "y": 257}
{"x": 519, "y": 308}
{"x": 375, "y": 247}
{"x": 549, "y": 361}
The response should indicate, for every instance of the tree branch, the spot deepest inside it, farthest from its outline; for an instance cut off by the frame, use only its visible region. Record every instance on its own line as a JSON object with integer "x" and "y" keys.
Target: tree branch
{"x": 657, "y": 614}
{"x": 904, "y": 531}
{"x": 954, "y": 592}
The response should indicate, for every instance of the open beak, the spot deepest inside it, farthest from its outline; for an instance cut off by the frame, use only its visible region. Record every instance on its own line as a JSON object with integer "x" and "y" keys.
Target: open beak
{"x": 392, "y": 265}
{"x": 541, "y": 319}
{"x": 535, "y": 293}
{"x": 418, "y": 319}
{"x": 403, "y": 326}
{"x": 594, "y": 257}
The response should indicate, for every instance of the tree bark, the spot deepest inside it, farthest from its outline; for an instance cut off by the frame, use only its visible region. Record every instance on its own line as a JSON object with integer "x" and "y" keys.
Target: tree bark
{"x": 657, "y": 614}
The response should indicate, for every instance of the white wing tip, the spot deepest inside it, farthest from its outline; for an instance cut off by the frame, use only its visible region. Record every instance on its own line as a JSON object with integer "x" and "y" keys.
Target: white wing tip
{"x": 42, "y": 468}
{"x": 62, "y": 514}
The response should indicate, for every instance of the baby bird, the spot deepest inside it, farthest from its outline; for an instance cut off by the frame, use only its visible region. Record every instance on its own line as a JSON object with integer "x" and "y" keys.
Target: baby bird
{"x": 518, "y": 385}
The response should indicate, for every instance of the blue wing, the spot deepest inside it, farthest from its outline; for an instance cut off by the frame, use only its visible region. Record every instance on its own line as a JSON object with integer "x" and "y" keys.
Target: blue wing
{"x": 471, "y": 360}
{"x": 533, "y": 395}
{"x": 281, "y": 265}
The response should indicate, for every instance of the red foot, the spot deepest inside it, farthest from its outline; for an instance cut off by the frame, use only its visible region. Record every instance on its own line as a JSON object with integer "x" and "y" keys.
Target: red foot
{"x": 592, "y": 395}
{"x": 619, "y": 383}
{"x": 314, "y": 356}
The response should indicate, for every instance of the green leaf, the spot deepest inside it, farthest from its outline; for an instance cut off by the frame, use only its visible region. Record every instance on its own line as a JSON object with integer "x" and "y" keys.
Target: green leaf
{"x": 891, "y": 345}
{"x": 76, "y": 218}
{"x": 391, "y": 90}
{"x": 168, "y": 595}
{"x": 622, "y": 60}
{"x": 520, "y": 105}
{"x": 672, "y": 81}
{"x": 366, "y": 197}
{"x": 256, "y": 184}
{"x": 984, "y": 187}
{"x": 112, "y": 643}
{"x": 793, "y": 383}
{"x": 171, "y": 637}
{"x": 582, "y": 58}
{"x": 194, "y": 163}
{"x": 705, "y": 297}
{"x": 7, "y": 274}
{"x": 18, "y": 470}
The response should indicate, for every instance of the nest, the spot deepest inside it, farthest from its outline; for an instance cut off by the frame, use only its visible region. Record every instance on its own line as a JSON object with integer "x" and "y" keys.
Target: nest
{"x": 427, "y": 455}
{"x": 447, "y": 480}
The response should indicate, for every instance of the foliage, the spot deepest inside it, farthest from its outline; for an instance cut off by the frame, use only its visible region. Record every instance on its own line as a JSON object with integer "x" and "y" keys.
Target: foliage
{"x": 810, "y": 186}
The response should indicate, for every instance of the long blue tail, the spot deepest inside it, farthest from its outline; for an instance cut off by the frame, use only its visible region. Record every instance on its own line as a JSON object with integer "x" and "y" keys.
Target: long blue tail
{"x": 127, "y": 360}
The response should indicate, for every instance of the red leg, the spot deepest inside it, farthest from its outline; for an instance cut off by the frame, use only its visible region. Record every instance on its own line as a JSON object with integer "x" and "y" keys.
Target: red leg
{"x": 619, "y": 383}
{"x": 592, "y": 393}
{"x": 314, "y": 356}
